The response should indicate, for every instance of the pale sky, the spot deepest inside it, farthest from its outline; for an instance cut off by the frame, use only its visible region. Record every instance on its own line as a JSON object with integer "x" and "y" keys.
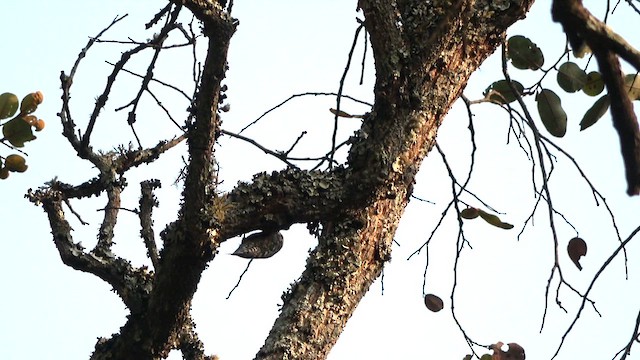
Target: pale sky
{"x": 50, "y": 311}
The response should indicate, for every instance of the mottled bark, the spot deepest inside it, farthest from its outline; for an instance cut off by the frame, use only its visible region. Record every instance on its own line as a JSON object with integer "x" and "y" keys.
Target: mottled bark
{"x": 424, "y": 56}
{"x": 190, "y": 242}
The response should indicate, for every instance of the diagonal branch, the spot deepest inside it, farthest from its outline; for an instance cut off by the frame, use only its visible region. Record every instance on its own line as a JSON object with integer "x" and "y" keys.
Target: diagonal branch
{"x": 414, "y": 89}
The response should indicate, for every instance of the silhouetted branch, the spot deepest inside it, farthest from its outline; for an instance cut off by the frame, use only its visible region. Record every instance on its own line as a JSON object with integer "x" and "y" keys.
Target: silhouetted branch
{"x": 634, "y": 338}
{"x": 593, "y": 281}
{"x": 339, "y": 95}
{"x": 239, "y": 279}
{"x": 297, "y": 96}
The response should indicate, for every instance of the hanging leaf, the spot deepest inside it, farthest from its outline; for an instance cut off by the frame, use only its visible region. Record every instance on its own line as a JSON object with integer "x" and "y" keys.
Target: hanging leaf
{"x": 17, "y": 132}
{"x": 571, "y": 77}
{"x": 513, "y": 351}
{"x": 467, "y": 357}
{"x": 500, "y": 92}
{"x": 577, "y": 248}
{"x": 551, "y": 113}
{"x": 15, "y": 163}
{"x": 486, "y": 357}
{"x": 632, "y": 84}
{"x": 30, "y": 102}
{"x": 8, "y": 105}
{"x": 469, "y": 213}
{"x": 524, "y": 53}
{"x": 595, "y": 112}
{"x": 433, "y": 302}
{"x": 594, "y": 84}
{"x": 341, "y": 113}
{"x": 581, "y": 50}
{"x": 494, "y": 220}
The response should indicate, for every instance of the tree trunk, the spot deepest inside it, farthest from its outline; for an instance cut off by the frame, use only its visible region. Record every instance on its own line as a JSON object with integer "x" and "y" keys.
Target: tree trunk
{"x": 424, "y": 54}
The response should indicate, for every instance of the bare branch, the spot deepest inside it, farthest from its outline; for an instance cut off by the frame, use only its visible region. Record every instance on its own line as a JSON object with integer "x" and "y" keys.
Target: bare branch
{"x": 147, "y": 203}
{"x": 593, "y": 281}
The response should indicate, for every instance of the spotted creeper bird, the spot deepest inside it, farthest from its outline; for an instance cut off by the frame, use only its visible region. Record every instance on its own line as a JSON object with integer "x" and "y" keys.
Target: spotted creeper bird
{"x": 260, "y": 245}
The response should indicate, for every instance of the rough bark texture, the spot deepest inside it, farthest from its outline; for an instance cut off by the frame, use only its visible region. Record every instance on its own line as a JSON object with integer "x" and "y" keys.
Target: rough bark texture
{"x": 424, "y": 54}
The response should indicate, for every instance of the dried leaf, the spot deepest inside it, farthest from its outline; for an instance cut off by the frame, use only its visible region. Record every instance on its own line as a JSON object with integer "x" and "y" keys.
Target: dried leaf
{"x": 577, "y": 248}
{"x": 341, "y": 113}
{"x": 513, "y": 351}
{"x": 433, "y": 302}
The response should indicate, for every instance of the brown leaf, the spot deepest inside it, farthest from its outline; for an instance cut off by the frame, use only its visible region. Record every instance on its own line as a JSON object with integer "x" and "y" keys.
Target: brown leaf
{"x": 433, "y": 302}
{"x": 514, "y": 352}
{"x": 577, "y": 248}
{"x": 341, "y": 113}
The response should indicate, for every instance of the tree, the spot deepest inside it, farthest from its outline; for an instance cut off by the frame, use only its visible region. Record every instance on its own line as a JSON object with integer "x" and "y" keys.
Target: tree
{"x": 424, "y": 55}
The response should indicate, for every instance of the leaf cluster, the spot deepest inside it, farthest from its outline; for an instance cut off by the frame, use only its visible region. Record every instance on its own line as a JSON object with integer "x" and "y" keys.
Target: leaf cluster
{"x": 19, "y": 128}
{"x": 524, "y": 54}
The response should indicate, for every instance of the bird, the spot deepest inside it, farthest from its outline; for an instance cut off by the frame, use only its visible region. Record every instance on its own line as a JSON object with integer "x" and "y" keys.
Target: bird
{"x": 260, "y": 245}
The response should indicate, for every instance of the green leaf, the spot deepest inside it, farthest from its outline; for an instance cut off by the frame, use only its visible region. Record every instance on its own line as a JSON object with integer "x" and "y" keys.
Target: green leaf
{"x": 551, "y": 113}
{"x": 595, "y": 112}
{"x": 17, "y": 132}
{"x": 486, "y": 357}
{"x": 500, "y": 92}
{"x": 594, "y": 84}
{"x": 469, "y": 213}
{"x": 524, "y": 53}
{"x": 571, "y": 77}
{"x": 632, "y": 84}
{"x": 8, "y": 105}
{"x": 494, "y": 220}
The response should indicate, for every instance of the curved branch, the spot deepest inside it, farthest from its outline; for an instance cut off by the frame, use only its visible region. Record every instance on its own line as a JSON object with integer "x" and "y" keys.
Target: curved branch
{"x": 129, "y": 283}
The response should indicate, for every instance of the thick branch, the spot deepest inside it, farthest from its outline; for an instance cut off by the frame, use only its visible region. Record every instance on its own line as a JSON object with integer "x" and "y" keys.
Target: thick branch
{"x": 350, "y": 256}
{"x": 280, "y": 199}
{"x": 191, "y": 243}
{"x": 415, "y": 87}
{"x": 624, "y": 117}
